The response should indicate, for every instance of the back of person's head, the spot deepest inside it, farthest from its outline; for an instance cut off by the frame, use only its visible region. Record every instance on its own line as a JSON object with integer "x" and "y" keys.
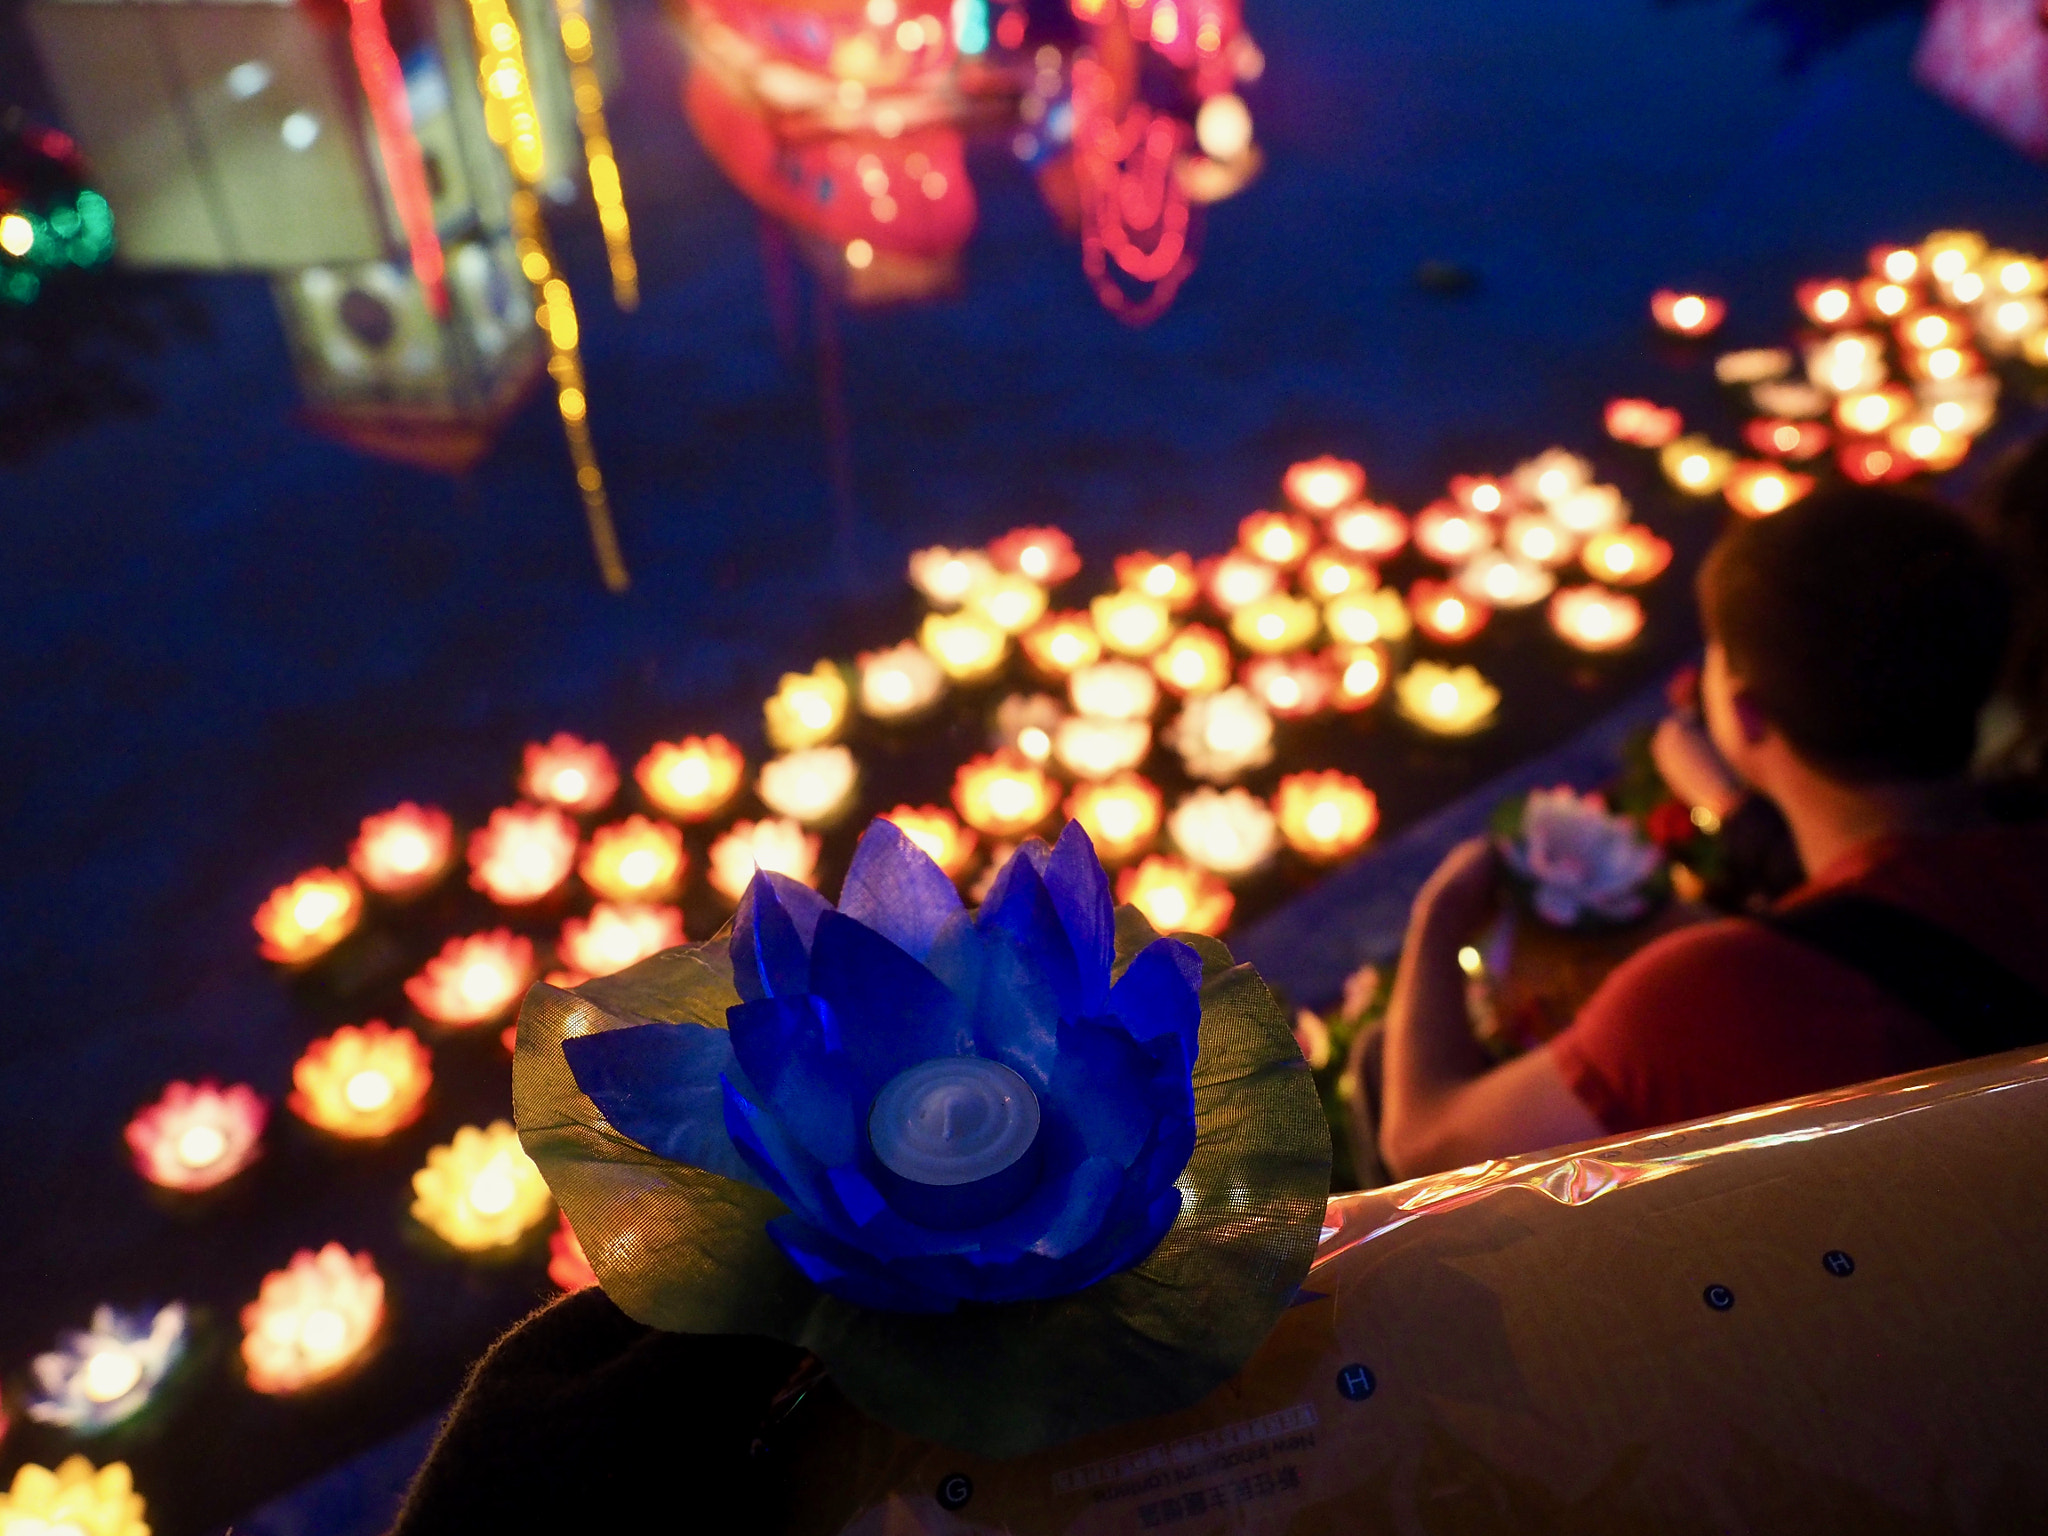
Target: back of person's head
{"x": 1869, "y": 627}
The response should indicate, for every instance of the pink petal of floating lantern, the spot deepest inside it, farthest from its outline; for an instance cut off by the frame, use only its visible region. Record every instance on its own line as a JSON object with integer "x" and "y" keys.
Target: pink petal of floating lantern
{"x": 1444, "y": 614}
{"x": 1276, "y": 625}
{"x": 1322, "y": 486}
{"x": 404, "y": 851}
{"x": 76, "y": 1499}
{"x": 1696, "y": 466}
{"x": 1595, "y": 619}
{"x": 1280, "y": 539}
{"x": 1785, "y": 439}
{"x": 966, "y": 646}
{"x": 1132, "y": 623}
{"x": 1643, "y": 423}
{"x": 362, "y": 1082}
{"x": 1044, "y": 555}
{"x": 1687, "y": 314}
{"x": 948, "y": 577}
{"x": 901, "y": 683}
{"x": 1376, "y": 533}
{"x": 1873, "y": 462}
{"x": 1195, "y": 661}
{"x": 579, "y": 776}
{"x": 1361, "y": 672}
{"x": 638, "y": 859}
{"x": 1090, "y": 747}
{"x": 196, "y": 1136}
{"x": 1176, "y": 897}
{"x": 777, "y": 845}
{"x": 1004, "y": 795}
{"x": 1294, "y": 687}
{"x": 302, "y": 921}
{"x": 1627, "y": 557}
{"x": 1121, "y": 815}
{"x": 939, "y": 833}
{"x": 1169, "y": 578}
{"x": 1229, "y": 832}
{"x": 568, "y": 1266}
{"x": 1062, "y": 643}
{"x": 1481, "y": 494}
{"x": 692, "y": 779}
{"x": 480, "y": 1190}
{"x": 1873, "y": 412}
{"x": 1449, "y": 535}
{"x": 311, "y": 1319}
{"x": 617, "y": 934}
{"x": 1760, "y": 489}
{"x": 1928, "y": 446}
{"x": 816, "y": 786}
{"x": 523, "y": 854}
{"x": 1115, "y": 690}
{"x": 1234, "y": 580}
{"x": 1330, "y": 573}
{"x": 1011, "y": 603}
{"x": 1368, "y": 618}
{"x": 1539, "y": 539}
{"x": 1446, "y": 701}
{"x": 1326, "y": 816}
{"x": 808, "y": 709}
{"x": 1828, "y": 303}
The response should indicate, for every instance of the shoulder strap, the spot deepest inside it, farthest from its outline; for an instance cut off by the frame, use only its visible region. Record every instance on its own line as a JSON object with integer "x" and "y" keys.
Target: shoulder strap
{"x": 1979, "y": 1005}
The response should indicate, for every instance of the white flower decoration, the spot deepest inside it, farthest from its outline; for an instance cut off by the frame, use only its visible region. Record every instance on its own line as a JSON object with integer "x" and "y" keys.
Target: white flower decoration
{"x": 1115, "y": 690}
{"x": 1583, "y": 860}
{"x": 900, "y": 682}
{"x": 1550, "y": 477}
{"x": 1223, "y": 736}
{"x": 1090, "y": 747}
{"x": 1231, "y": 833}
{"x": 105, "y": 1374}
{"x": 948, "y": 577}
{"x": 812, "y": 786}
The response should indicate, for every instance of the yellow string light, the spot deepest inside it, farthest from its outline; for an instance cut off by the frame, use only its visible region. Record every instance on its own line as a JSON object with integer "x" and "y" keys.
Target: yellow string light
{"x": 605, "y": 190}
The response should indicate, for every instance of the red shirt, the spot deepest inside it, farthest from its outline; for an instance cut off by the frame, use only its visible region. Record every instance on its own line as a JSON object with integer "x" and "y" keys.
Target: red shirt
{"x": 1728, "y": 1014}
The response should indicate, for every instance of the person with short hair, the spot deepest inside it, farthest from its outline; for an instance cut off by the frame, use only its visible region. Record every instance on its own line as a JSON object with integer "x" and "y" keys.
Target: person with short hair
{"x": 1853, "y": 642}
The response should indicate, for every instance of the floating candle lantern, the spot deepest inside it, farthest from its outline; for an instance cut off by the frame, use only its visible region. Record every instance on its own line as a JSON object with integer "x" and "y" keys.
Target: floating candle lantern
{"x": 1365, "y": 618}
{"x": 311, "y": 1319}
{"x": 947, "y": 577}
{"x": 966, "y": 646}
{"x": 473, "y": 980}
{"x": 1696, "y": 466}
{"x": 197, "y": 1135}
{"x": 568, "y": 1266}
{"x": 1176, "y": 897}
{"x": 1687, "y": 314}
{"x": 1235, "y": 580}
{"x": 1874, "y": 463}
{"x": 1093, "y": 748}
{"x": 1361, "y": 672}
{"x": 1323, "y": 485}
{"x": 1115, "y": 690}
{"x": 1799, "y": 440}
{"x": 692, "y": 779}
{"x": 403, "y": 851}
{"x": 1827, "y": 303}
{"x": 1120, "y": 815}
{"x": 480, "y": 1191}
{"x": 1642, "y": 423}
{"x": 1450, "y": 536}
{"x": 1327, "y": 816}
{"x": 777, "y": 845}
{"x": 1231, "y": 833}
{"x": 1595, "y": 509}
{"x": 1963, "y": 406}
{"x": 1446, "y": 701}
{"x": 617, "y": 934}
{"x": 1278, "y": 538}
{"x": 1846, "y": 364}
{"x": 106, "y": 1373}
{"x": 579, "y": 776}
{"x": 1223, "y": 736}
{"x": 1895, "y": 263}
{"x": 1791, "y": 399}
{"x": 2013, "y": 274}
{"x": 1885, "y": 299}
{"x": 304, "y": 920}
{"x": 1195, "y": 661}
{"x": 1539, "y": 539}
{"x": 1928, "y": 330}
{"x": 1496, "y": 580}
{"x": 1551, "y": 476}
{"x": 1928, "y": 446}
{"x": 1476, "y": 493}
{"x": 808, "y": 709}
{"x": 1043, "y": 555}
{"x": 1444, "y": 615}
{"x": 1950, "y": 254}
{"x": 1627, "y": 557}
{"x": 522, "y": 854}
{"x": 1761, "y": 489}
{"x": 1004, "y": 795}
{"x": 362, "y": 1082}
{"x": 900, "y": 683}
{"x": 1011, "y": 603}
{"x": 1757, "y": 365}
{"x": 635, "y": 860}
{"x": 2008, "y": 322}
{"x": 76, "y": 1499}
{"x": 1377, "y": 533}
{"x": 1870, "y": 413}
{"x": 939, "y": 833}
{"x": 1169, "y": 578}
{"x": 1131, "y": 623}
{"x": 1945, "y": 363}
{"x": 1277, "y": 624}
{"x": 1025, "y": 723}
{"x": 815, "y": 787}
{"x": 1062, "y": 644}
{"x": 1595, "y": 619}
{"x": 1328, "y": 575}
{"x": 1291, "y": 687}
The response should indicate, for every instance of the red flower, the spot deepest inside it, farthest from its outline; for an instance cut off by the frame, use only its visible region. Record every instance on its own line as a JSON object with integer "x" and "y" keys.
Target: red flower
{"x": 1670, "y": 825}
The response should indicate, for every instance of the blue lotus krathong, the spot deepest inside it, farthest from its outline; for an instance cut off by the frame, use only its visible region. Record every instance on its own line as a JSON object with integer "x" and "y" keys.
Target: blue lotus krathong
{"x": 954, "y": 1107}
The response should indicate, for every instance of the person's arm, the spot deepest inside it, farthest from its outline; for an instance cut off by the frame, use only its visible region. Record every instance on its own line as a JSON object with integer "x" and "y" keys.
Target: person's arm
{"x": 1445, "y": 1104}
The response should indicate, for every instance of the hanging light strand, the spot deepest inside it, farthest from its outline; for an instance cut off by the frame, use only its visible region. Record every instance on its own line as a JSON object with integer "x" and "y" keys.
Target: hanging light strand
{"x": 383, "y": 80}
{"x": 603, "y": 164}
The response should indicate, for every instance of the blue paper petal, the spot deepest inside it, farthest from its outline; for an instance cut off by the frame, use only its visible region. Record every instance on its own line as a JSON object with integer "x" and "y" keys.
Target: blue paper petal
{"x": 659, "y": 1085}
{"x": 850, "y": 1274}
{"x": 1161, "y": 993}
{"x": 1080, "y": 893}
{"x": 770, "y": 954}
{"x": 887, "y": 1010}
{"x": 788, "y": 1172}
{"x": 782, "y": 1045}
{"x": 1020, "y": 906}
{"x": 894, "y": 888}
{"x": 1101, "y": 1086}
{"x": 1015, "y": 1012}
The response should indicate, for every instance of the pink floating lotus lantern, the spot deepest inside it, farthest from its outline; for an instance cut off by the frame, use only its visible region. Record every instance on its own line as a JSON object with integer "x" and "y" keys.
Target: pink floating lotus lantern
{"x": 1278, "y": 538}
{"x": 637, "y": 859}
{"x": 1479, "y": 493}
{"x": 1450, "y": 535}
{"x": 1643, "y": 423}
{"x": 568, "y": 1267}
{"x": 692, "y": 779}
{"x": 362, "y": 1082}
{"x": 1828, "y": 304}
{"x": 1375, "y": 533}
{"x": 1046, "y": 555}
{"x": 473, "y": 980}
{"x": 197, "y": 1136}
{"x": 304, "y": 920}
{"x": 1687, "y": 314}
{"x": 1176, "y": 897}
{"x": 617, "y": 935}
{"x": 1321, "y": 486}
{"x": 1169, "y": 578}
{"x": 776, "y": 844}
{"x": 311, "y": 1319}
{"x": 939, "y": 833}
{"x": 523, "y": 854}
{"x": 1595, "y": 619}
{"x": 1292, "y": 687}
{"x": 404, "y": 851}
{"x": 1444, "y": 614}
{"x": 579, "y": 776}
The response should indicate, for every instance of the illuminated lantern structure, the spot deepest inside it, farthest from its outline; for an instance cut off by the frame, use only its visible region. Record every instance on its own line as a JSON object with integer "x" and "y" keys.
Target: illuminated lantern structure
{"x": 106, "y": 1373}
{"x": 311, "y": 1319}
{"x": 75, "y": 1497}
{"x": 473, "y": 980}
{"x": 966, "y": 646}
{"x": 1275, "y": 625}
{"x": 1595, "y": 619}
{"x": 1278, "y": 538}
{"x": 1325, "y": 816}
{"x": 1170, "y": 578}
{"x": 402, "y": 852}
{"x": 1293, "y": 687}
{"x": 1361, "y": 672}
{"x": 1687, "y": 314}
{"x": 579, "y": 776}
{"x": 776, "y": 844}
{"x": 1627, "y": 557}
{"x": 304, "y": 920}
{"x": 1229, "y": 832}
{"x": 902, "y": 683}
{"x": 197, "y": 1136}
{"x": 362, "y": 1082}
{"x": 1446, "y": 701}
{"x": 523, "y": 854}
{"x": 637, "y": 859}
{"x": 1324, "y": 485}
{"x": 815, "y": 786}
{"x": 692, "y": 779}
{"x": 1004, "y": 795}
{"x": 1444, "y": 614}
{"x": 1196, "y": 661}
{"x": 1177, "y": 897}
{"x": 808, "y": 709}
{"x": 480, "y": 1191}
{"x": 1120, "y": 815}
{"x": 568, "y": 1266}
{"x": 616, "y": 935}
{"x": 1063, "y": 643}
{"x": 1043, "y": 555}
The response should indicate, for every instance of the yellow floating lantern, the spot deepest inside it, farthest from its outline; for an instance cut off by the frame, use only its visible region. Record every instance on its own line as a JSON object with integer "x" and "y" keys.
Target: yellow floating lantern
{"x": 523, "y": 853}
{"x": 1277, "y": 624}
{"x": 1762, "y": 489}
{"x": 1132, "y": 623}
{"x": 692, "y": 779}
{"x": 1595, "y": 619}
{"x": 1170, "y": 578}
{"x": 1368, "y": 618}
{"x": 1361, "y": 672}
{"x": 966, "y": 646}
{"x": 404, "y": 851}
{"x": 1011, "y": 603}
{"x": 1196, "y": 661}
{"x": 1329, "y": 574}
{"x": 775, "y": 844}
{"x": 473, "y": 980}
{"x": 1120, "y": 815}
{"x": 1062, "y": 643}
{"x": 637, "y": 859}
{"x": 939, "y": 833}
{"x": 1326, "y": 816}
{"x": 480, "y": 1191}
{"x": 1280, "y": 539}
{"x": 1694, "y": 465}
{"x": 808, "y": 709}
{"x": 900, "y": 683}
{"x": 1627, "y": 557}
{"x": 579, "y": 776}
{"x": 1447, "y": 701}
{"x": 1176, "y": 897}
{"x": 362, "y": 1082}
{"x": 1004, "y": 795}
{"x": 302, "y": 921}
{"x": 76, "y": 1499}
{"x": 1323, "y": 485}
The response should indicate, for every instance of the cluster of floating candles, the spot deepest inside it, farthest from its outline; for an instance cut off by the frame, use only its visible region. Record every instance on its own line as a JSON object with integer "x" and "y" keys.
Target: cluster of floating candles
{"x": 480, "y": 1190}
{"x": 362, "y": 1082}
{"x": 196, "y": 1136}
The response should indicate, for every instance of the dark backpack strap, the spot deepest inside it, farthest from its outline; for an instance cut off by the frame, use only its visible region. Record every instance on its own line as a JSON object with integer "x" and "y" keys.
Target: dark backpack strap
{"x": 1979, "y": 1005}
